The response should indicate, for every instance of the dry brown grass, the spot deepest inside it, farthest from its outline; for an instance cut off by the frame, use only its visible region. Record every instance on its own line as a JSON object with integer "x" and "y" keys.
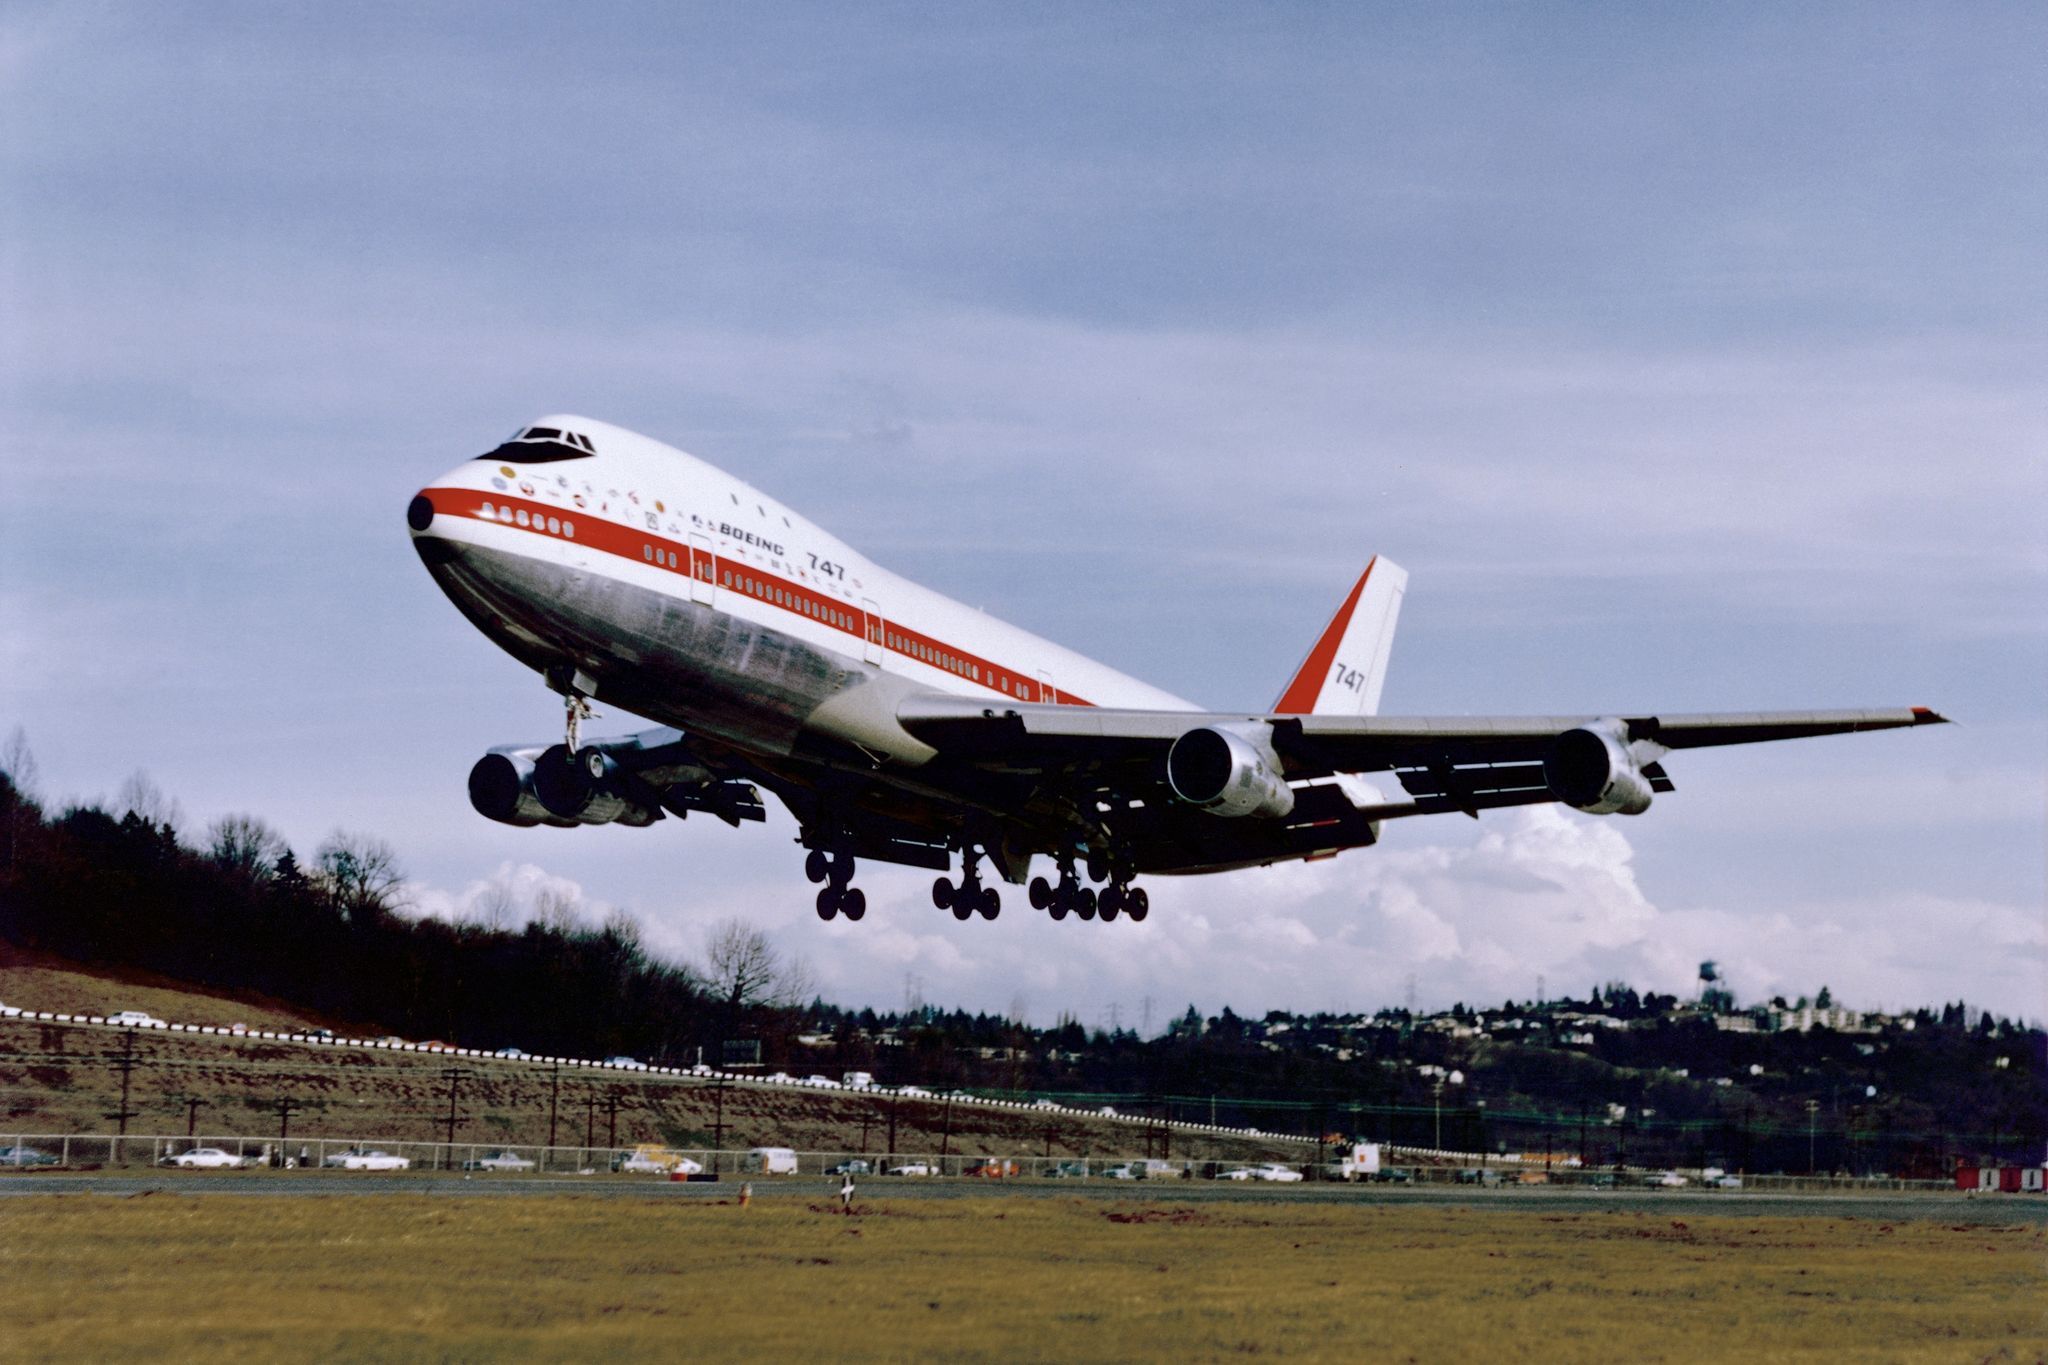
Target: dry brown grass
{"x": 569, "y": 1277}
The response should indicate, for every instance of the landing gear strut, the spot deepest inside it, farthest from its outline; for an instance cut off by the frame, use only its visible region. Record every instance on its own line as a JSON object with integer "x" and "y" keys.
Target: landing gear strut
{"x": 970, "y": 896}
{"x": 836, "y": 871}
{"x": 1069, "y": 897}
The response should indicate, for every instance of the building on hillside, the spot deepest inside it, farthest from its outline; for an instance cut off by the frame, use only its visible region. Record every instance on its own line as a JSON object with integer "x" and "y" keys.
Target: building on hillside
{"x": 1806, "y": 1018}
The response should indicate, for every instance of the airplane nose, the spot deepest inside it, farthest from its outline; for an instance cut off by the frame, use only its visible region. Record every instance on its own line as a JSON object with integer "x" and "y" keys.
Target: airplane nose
{"x": 420, "y": 513}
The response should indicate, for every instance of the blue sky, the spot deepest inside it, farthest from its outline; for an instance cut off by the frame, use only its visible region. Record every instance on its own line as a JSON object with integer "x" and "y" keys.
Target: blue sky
{"x": 1689, "y": 359}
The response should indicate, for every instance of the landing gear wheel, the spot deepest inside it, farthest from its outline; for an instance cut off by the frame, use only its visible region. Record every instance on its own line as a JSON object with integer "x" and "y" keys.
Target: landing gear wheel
{"x": 1138, "y": 905}
{"x": 1084, "y": 903}
{"x": 1098, "y": 868}
{"x": 963, "y": 906}
{"x": 1059, "y": 907}
{"x": 942, "y": 894}
{"x": 1041, "y": 893}
{"x": 817, "y": 866}
{"x": 1110, "y": 904}
{"x": 853, "y": 903}
{"x": 828, "y": 902}
{"x": 991, "y": 903}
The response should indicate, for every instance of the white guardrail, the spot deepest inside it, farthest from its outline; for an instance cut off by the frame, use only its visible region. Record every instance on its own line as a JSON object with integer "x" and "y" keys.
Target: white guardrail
{"x": 698, "y": 1074}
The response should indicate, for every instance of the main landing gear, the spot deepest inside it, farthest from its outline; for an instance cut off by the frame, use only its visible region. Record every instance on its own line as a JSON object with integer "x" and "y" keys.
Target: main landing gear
{"x": 836, "y": 898}
{"x": 970, "y": 896}
{"x": 1069, "y": 897}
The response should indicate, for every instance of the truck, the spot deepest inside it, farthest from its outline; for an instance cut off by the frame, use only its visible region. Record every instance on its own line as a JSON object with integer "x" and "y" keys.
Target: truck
{"x": 769, "y": 1161}
{"x": 858, "y": 1080}
{"x": 1362, "y": 1162}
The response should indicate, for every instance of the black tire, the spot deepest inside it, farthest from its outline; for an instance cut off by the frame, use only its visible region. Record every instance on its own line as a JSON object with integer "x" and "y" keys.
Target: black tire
{"x": 942, "y": 894}
{"x": 1041, "y": 893}
{"x": 1098, "y": 868}
{"x": 1139, "y": 905}
{"x": 1084, "y": 903}
{"x": 963, "y": 906}
{"x": 1059, "y": 907}
{"x": 1109, "y": 904}
{"x": 816, "y": 866}
{"x": 828, "y": 903}
{"x": 854, "y": 904}
{"x": 991, "y": 903}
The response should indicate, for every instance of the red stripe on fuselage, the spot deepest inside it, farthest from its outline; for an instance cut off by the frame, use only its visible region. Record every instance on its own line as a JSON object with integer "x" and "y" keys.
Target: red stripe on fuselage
{"x": 579, "y": 526}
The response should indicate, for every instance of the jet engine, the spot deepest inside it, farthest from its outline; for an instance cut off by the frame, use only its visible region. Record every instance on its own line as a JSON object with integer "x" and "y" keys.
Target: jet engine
{"x": 554, "y": 787}
{"x": 1592, "y": 768}
{"x": 1227, "y": 773}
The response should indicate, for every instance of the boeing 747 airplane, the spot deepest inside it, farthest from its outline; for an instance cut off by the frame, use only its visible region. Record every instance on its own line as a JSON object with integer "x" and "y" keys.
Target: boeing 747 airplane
{"x": 898, "y": 725}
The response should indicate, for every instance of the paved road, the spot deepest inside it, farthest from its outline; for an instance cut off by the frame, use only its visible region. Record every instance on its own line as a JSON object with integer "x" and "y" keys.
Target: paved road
{"x": 1886, "y": 1205}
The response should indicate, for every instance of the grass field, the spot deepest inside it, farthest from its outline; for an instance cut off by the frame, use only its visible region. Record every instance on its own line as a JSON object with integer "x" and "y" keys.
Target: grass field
{"x": 565, "y": 1277}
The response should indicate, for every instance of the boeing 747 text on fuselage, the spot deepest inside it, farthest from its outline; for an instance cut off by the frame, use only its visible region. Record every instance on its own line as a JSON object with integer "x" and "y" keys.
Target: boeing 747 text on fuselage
{"x": 899, "y": 725}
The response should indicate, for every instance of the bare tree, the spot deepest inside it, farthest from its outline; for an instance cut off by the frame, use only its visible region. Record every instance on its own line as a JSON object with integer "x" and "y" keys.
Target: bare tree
{"x": 142, "y": 798}
{"x": 19, "y": 763}
{"x": 362, "y": 874}
{"x": 493, "y": 907}
{"x": 744, "y": 969}
{"x": 554, "y": 908}
{"x": 244, "y": 844}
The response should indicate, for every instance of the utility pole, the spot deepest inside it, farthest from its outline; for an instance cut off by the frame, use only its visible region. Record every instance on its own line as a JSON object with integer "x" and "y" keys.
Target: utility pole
{"x": 717, "y": 1121}
{"x": 611, "y": 1118}
{"x": 192, "y": 1108}
{"x": 892, "y": 1129}
{"x": 946, "y": 1137}
{"x": 589, "y": 1122}
{"x": 453, "y": 1075}
{"x": 125, "y": 1063}
{"x": 285, "y": 1109}
{"x": 554, "y": 1098}
{"x": 867, "y": 1118}
{"x": 1812, "y": 1122}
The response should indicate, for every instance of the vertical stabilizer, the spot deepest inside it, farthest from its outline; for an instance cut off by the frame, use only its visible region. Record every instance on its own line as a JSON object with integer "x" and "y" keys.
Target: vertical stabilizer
{"x": 1347, "y": 667}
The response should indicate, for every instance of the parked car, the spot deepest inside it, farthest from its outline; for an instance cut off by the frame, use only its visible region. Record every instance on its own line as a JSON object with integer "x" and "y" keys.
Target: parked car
{"x": 502, "y": 1161}
{"x": 825, "y": 1081}
{"x": 1272, "y": 1170}
{"x": 1236, "y": 1173}
{"x": 135, "y": 1019}
{"x": 516, "y": 1054}
{"x": 26, "y": 1156}
{"x": 1126, "y": 1171}
{"x": 1599, "y": 1180}
{"x": 1724, "y": 1181}
{"x": 858, "y": 1080}
{"x": 990, "y": 1168}
{"x": 1069, "y": 1170}
{"x": 852, "y": 1166}
{"x": 1394, "y": 1175}
{"x": 912, "y": 1168}
{"x": 1044, "y": 1104}
{"x": 912, "y": 1090}
{"x": 367, "y": 1159}
{"x": 652, "y": 1159}
{"x": 1474, "y": 1175}
{"x": 629, "y": 1063}
{"x": 207, "y": 1159}
{"x": 9, "y": 1010}
{"x": 1665, "y": 1180}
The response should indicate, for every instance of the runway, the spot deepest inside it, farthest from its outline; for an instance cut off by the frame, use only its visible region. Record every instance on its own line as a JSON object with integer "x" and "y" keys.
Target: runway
{"x": 1888, "y": 1206}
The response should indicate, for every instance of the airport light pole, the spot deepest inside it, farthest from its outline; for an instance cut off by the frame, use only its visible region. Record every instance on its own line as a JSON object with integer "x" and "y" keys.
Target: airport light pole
{"x": 1812, "y": 1120}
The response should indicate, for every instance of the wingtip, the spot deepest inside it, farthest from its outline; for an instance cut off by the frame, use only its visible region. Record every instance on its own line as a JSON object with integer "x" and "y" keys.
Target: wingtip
{"x": 1927, "y": 715}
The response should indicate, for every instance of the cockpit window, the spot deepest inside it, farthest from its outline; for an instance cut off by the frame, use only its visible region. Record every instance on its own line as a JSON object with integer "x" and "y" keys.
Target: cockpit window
{"x": 542, "y": 445}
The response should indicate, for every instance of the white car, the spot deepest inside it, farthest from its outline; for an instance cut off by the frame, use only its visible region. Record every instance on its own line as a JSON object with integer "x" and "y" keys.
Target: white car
{"x": 826, "y": 1081}
{"x": 1665, "y": 1180}
{"x": 205, "y": 1159}
{"x": 1236, "y": 1173}
{"x": 912, "y": 1168}
{"x": 514, "y": 1053}
{"x": 629, "y": 1063}
{"x": 1285, "y": 1175}
{"x": 915, "y": 1091}
{"x": 135, "y": 1019}
{"x": 502, "y": 1161}
{"x": 1124, "y": 1172}
{"x": 367, "y": 1159}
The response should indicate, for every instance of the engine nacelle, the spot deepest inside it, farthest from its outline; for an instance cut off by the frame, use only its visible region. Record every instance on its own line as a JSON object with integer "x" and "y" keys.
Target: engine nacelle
{"x": 1225, "y": 773}
{"x": 556, "y": 788}
{"x": 1592, "y": 769}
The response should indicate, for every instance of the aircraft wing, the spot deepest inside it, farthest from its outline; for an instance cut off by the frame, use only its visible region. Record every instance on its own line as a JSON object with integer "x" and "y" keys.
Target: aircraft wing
{"x": 1443, "y": 763}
